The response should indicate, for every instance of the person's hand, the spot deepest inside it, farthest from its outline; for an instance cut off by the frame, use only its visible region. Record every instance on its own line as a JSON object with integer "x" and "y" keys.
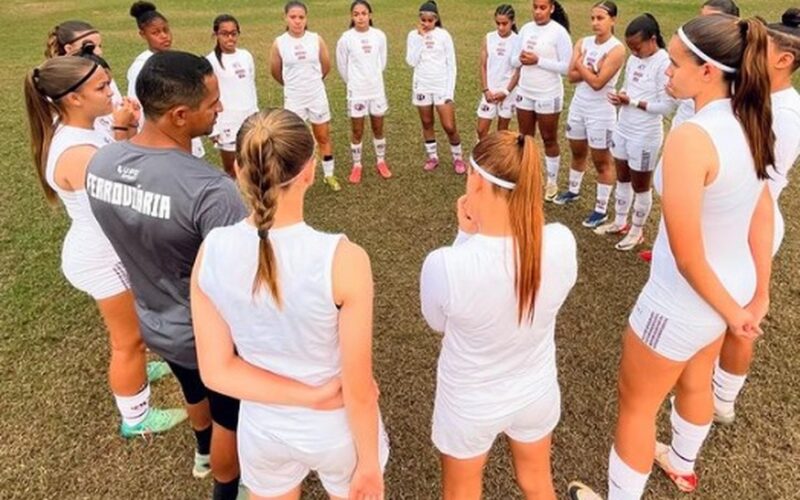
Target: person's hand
{"x": 329, "y": 395}
{"x": 465, "y": 221}
{"x": 619, "y": 98}
{"x": 125, "y": 114}
{"x": 758, "y": 307}
{"x": 742, "y": 323}
{"x": 367, "y": 482}
{"x": 528, "y": 58}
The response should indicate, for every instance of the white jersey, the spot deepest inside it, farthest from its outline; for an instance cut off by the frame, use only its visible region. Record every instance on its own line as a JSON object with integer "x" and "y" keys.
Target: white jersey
{"x": 585, "y": 96}
{"x": 499, "y": 69}
{"x": 684, "y": 112}
{"x": 433, "y": 58}
{"x": 551, "y": 42}
{"x": 302, "y": 69}
{"x": 490, "y": 366}
{"x": 728, "y": 206}
{"x": 786, "y": 125}
{"x": 645, "y": 80}
{"x": 361, "y": 59}
{"x": 299, "y": 340}
{"x": 237, "y": 85}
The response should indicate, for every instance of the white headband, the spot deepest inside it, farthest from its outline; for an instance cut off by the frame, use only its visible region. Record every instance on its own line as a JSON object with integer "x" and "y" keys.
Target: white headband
{"x": 702, "y": 55}
{"x": 491, "y": 178}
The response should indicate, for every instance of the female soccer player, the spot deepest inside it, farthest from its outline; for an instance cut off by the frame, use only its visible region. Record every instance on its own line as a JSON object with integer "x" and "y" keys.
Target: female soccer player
{"x": 596, "y": 65}
{"x": 497, "y": 368}
{"x": 498, "y": 76}
{"x": 361, "y": 60}
{"x": 299, "y": 61}
{"x": 712, "y": 255}
{"x": 637, "y": 138}
{"x": 271, "y": 293}
{"x": 430, "y": 51}
{"x": 64, "y": 97}
{"x": 236, "y": 74}
{"x": 543, "y": 53}
{"x": 783, "y": 60}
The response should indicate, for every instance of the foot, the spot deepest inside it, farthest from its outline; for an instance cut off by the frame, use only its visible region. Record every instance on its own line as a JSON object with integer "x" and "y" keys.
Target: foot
{"x": 724, "y": 418}
{"x": 579, "y": 491}
{"x": 383, "y": 169}
{"x": 156, "y": 370}
{"x": 157, "y": 421}
{"x": 355, "y": 174}
{"x": 612, "y": 228}
{"x": 202, "y": 466}
{"x": 430, "y": 164}
{"x": 460, "y": 167}
{"x": 566, "y": 197}
{"x": 687, "y": 483}
{"x": 550, "y": 191}
{"x": 332, "y": 182}
{"x": 630, "y": 241}
{"x": 594, "y": 220}
{"x": 646, "y": 255}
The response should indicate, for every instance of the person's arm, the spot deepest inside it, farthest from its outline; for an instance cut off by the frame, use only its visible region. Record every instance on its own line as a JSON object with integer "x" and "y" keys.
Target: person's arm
{"x": 413, "y": 48}
{"x": 512, "y": 84}
{"x": 383, "y": 51}
{"x": 452, "y": 68}
{"x": 663, "y": 104}
{"x": 434, "y": 291}
{"x": 276, "y": 63}
{"x": 573, "y": 75}
{"x": 607, "y": 69}
{"x": 218, "y": 204}
{"x": 485, "y": 90}
{"x": 223, "y": 371}
{"x": 342, "y": 55}
{"x": 760, "y": 238}
{"x": 72, "y": 166}
{"x": 561, "y": 64}
{"x": 353, "y": 293}
{"x": 133, "y": 75}
{"x": 324, "y": 57}
{"x": 516, "y": 50}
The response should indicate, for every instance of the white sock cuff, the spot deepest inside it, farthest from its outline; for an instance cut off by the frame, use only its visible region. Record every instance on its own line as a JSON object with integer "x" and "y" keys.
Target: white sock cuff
{"x": 623, "y": 480}
{"x": 645, "y": 198}
{"x": 686, "y": 429}
{"x": 379, "y": 142}
{"x": 624, "y": 187}
{"x": 134, "y": 409}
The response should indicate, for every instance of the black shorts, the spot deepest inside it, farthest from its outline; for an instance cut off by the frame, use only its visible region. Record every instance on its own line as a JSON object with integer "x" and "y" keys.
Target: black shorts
{"x": 224, "y": 409}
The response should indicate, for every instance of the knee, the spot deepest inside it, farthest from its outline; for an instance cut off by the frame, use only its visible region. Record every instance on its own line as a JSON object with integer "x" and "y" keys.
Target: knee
{"x": 450, "y": 130}
{"x": 130, "y": 346}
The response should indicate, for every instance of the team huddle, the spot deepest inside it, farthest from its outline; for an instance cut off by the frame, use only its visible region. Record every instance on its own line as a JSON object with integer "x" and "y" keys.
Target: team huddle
{"x": 266, "y": 322}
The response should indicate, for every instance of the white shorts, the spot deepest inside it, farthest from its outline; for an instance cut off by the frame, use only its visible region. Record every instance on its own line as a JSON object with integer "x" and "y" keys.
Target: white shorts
{"x": 463, "y": 438}
{"x": 423, "y": 99}
{"x": 583, "y": 125}
{"x": 92, "y": 266}
{"x": 540, "y": 106}
{"x": 271, "y": 468}
{"x": 674, "y": 338}
{"x": 641, "y": 155}
{"x": 359, "y": 108}
{"x": 490, "y": 111}
{"x": 317, "y": 111}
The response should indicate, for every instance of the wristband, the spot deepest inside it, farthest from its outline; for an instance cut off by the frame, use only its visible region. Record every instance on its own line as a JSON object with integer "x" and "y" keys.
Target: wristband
{"x": 634, "y": 103}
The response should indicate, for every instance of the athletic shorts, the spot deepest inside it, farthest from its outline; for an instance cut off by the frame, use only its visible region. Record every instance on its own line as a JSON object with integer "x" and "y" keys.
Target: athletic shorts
{"x": 423, "y": 99}
{"x": 90, "y": 264}
{"x": 225, "y": 131}
{"x": 359, "y": 108}
{"x": 641, "y": 155}
{"x": 317, "y": 111}
{"x": 596, "y": 128}
{"x": 464, "y": 438}
{"x": 674, "y": 338}
{"x": 224, "y": 409}
{"x": 540, "y": 106}
{"x": 490, "y": 111}
{"x": 270, "y": 467}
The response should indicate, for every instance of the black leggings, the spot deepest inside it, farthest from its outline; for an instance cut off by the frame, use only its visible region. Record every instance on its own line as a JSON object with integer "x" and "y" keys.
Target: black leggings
{"x": 224, "y": 409}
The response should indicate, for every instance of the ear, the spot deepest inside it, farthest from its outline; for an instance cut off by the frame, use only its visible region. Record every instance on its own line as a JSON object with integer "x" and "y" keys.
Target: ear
{"x": 237, "y": 170}
{"x": 141, "y": 35}
{"x": 707, "y": 72}
{"x": 73, "y": 99}
{"x": 309, "y": 169}
{"x": 785, "y": 60}
{"x": 179, "y": 115}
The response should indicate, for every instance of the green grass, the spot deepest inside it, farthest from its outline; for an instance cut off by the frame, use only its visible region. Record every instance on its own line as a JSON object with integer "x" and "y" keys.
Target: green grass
{"x": 59, "y": 422}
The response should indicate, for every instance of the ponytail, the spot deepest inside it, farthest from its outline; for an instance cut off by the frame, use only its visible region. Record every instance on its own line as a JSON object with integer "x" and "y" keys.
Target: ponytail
{"x": 41, "y": 111}
{"x": 559, "y": 15}
{"x": 64, "y": 34}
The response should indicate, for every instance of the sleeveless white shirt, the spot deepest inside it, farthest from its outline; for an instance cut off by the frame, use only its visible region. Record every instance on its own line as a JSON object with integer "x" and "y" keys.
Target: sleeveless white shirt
{"x": 786, "y": 125}
{"x": 302, "y": 70}
{"x": 593, "y": 53}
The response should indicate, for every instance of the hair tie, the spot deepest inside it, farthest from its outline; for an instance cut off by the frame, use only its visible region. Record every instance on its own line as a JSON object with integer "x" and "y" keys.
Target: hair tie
{"x": 36, "y": 75}
{"x": 263, "y": 234}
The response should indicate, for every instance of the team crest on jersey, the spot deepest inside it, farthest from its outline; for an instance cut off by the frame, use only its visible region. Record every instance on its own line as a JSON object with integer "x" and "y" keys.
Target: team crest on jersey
{"x": 128, "y": 174}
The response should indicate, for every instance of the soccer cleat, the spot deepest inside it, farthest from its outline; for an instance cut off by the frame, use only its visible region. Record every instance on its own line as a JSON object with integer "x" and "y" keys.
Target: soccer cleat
{"x": 687, "y": 483}
{"x": 579, "y": 491}
{"x": 460, "y": 167}
{"x": 355, "y": 174}
{"x": 430, "y": 164}
{"x": 630, "y": 241}
{"x": 724, "y": 418}
{"x": 332, "y": 182}
{"x": 612, "y": 228}
{"x": 383, "y": 169}
{"x": 156, "y": 370}
{"x": 202, "y": 466}
{"x": 646, "y": 255}
{"x": 156, "y": 421}
{"x": 550, "y": 191}
{"x": 594, "y": 220}
{"x": 566, "y": 197}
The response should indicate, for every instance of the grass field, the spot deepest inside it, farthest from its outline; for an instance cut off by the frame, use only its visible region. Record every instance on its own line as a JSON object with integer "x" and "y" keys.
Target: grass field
{"x": 59, "y": 425}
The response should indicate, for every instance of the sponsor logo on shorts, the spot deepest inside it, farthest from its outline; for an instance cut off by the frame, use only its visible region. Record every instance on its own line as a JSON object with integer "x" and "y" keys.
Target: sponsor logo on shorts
{"x": 656, "y": 324}
{"x": 422, "y": 97}
{"x": 519, "y": 98}
{"x": 485, "y": 108}
{"x": 646, "y": 158}
{"x": 359, "y": 107}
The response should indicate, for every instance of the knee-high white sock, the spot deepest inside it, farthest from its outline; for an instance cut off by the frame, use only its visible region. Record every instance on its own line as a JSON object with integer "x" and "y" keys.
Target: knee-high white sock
{"x": 575, "y": 180}
{"x": 687, "y": 439}
{"x": 134, "y": 409}
{"x": 642, "y": 203}
{"x": 355, "y": 150}
{"x": 430, "y": 148}
{"x": 624, "y": 483}
{"x": 327, "y": 166}
{"x": 603, "y": 195}
{"x": 380, "y": 149}
{"x": 726, "y": 389}
{"x": 622, "y": 206}
{"x": 457, "y": 152}
{"x": 552, "y": 163}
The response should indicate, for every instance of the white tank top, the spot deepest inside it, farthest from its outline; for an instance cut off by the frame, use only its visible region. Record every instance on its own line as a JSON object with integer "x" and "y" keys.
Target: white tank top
{"x": 684, "y": 112}
{"x": 728, "y": 206}
{"x": 302, "y": 70}
{"x": 299, "y": 341}
{"x": 592, "y": 55}
{"x": 498, "y": 63}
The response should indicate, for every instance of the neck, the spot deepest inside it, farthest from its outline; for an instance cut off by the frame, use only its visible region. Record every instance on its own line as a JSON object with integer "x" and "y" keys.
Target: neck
{"x": 780, "y": 81}
{"x": 289, "y": 211}
{"x": 362, "y": 30}
{"x": 156, "y": 135}
{"x": 711, "y": 93}
{"x": 78, "y": 120}
{"x": 602, "y": 38}
{"x": 493, "y": 218}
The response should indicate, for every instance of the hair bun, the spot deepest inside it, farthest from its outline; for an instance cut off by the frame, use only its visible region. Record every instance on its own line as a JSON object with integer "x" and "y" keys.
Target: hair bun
{"x": 140, "y": 8}
{"x": 791, "y": 17}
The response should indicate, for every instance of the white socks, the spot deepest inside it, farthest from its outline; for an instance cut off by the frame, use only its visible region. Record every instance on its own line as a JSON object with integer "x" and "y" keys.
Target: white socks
{"x": 355, "y": 150}
{"x": 575, "y": 180}
{"x": 603, "y": 195}
{"x": 552, "y": 163}
{"x": 327, "y": 166}
{"x": 623, "y": 196}
{"x": 687, "y": 438}
{"x": 624, "y": 483}
{"x": 430, "y": 149}
{"x": 380, "y": 149}
{"x": 726, "y": 388}
{"x": 457, "y": 152}
{"x": 642, "y": 203}
{"x": 134, "y": 409}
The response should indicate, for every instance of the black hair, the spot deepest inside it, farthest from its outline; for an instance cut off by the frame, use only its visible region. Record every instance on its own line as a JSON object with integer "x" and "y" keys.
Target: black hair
{"x": 789, "y": 24}
{"x": 223, "y": 18}
{"x": 365, "y": 4}
{"x": 786, "y": 34}
{"x": 608, "y": 6}
{"x": 431, "y": 7}
{"x": 170, "y": 79}
{"x": 294, "y": 3}
{"x": 145, "y": 13}
{"x": 508, "y": 11}
{"x": 559, "y": 14}
{"x": 724, "y": 6}
{"x": 647, "y": 27}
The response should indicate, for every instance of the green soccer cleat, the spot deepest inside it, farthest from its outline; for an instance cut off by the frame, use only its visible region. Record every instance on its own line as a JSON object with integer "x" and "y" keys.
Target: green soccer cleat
{"x": 332, "y": 182}
{"x": 156, "y": 370}
{"x": 157, "y": 421}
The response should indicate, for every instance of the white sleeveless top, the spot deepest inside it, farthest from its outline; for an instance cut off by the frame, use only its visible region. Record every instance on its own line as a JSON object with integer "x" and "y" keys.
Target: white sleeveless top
{"x": 684, "y": 112}
{"x": 551, "y": 42}
{"x": 786, "y": 125}
{"x": 299, "y": 341}
{"x": 592, "y": 54}
{"x": 302, "y": 70}
{"x": 498, "y": 63}
{"x": 728, "y": 206}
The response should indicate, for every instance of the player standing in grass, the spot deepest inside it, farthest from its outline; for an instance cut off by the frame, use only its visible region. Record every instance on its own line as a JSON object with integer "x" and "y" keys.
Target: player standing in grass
{"x": 636, "y": 143}
{"x": 430, "y": 51}
{"x": 236, "y": 73}
{"x": 361, "y": 60}
{"x": 596, "y": 65}
{"x": 299, "y": 61}
{"x": 543, "y": 54}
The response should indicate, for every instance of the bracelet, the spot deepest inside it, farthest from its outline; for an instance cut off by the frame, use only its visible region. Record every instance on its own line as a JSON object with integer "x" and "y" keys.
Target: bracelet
{"x": 121, "y": 129}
